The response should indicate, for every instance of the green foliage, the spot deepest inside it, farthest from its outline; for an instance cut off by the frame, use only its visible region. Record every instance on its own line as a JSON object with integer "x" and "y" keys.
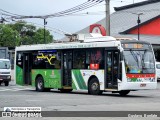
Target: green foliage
{"x": 39, "y": 36}
{"x": 8, "y": 36}
{"x": 22, "y": 33}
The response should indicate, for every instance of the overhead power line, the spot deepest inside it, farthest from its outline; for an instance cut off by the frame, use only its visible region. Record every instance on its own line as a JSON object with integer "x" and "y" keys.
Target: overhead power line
{"x": 56, "y": 30}
{"x": 8, "y": 13}
{"x": 78, "y": 8}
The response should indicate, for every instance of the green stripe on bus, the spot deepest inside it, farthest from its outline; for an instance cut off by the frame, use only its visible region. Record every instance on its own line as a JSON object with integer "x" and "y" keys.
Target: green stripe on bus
{"x": 79, "y": 79}
{"x": 73, "y": 85}
{"x": 76, "y": 74}
{"x": 19, "y": 75}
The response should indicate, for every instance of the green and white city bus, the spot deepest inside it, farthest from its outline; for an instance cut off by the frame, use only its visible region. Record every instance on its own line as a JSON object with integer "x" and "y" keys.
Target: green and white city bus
{"x": 96, "y": 64}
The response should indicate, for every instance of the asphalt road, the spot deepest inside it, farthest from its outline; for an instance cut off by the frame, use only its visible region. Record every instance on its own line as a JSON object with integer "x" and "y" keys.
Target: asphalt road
{"x": 26, "y": 96}
{"x": 18, "y": 96}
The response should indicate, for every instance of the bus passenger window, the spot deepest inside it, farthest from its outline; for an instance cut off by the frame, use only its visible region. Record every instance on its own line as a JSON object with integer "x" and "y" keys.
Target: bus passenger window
{"x": 46, "y": 60}
{"x": 79, "y": 59}
{"x": 95, "y": 57}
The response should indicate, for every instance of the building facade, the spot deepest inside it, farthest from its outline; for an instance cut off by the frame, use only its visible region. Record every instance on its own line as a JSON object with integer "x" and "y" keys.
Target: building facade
{"x": 127, "y": 20}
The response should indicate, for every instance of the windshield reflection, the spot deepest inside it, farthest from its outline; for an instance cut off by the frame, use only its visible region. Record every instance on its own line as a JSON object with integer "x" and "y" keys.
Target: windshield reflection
{"x": 4, "y": 64}
{"x": 139, "y": 61}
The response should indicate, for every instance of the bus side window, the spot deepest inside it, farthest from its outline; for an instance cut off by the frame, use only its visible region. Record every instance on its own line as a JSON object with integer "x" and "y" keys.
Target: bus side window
{"x": 95, "y": 56}
{"x": 79, "y": 59}
{"x": 50, "y": 61}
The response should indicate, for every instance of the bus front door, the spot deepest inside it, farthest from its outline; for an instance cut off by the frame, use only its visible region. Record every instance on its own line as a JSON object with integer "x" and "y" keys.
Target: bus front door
{"x": 67, "y": 67}
{"x": 27, "y": 64}
{"x": 111, "y": 68}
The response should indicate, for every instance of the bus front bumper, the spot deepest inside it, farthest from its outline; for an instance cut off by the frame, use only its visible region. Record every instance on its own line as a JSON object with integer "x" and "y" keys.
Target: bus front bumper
{"x": 138, "y": 86}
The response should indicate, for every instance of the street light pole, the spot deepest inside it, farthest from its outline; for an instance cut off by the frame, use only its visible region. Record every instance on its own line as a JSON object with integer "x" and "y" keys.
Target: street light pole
{"x": 139, "y": 21}
{"x": 107, "y": 17}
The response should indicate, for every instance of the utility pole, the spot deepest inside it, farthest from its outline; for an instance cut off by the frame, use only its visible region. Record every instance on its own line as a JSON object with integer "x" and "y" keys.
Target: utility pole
{"x": 107, "y": 17}
{"x": 45, "y": 30}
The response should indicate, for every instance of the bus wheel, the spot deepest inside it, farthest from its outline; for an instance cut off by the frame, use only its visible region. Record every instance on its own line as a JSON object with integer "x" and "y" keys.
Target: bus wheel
{"x": 40, "y": 84}
{"x": 124, "y": 92}
{"x": 6, "y": 83}
{"x": 94, "y": 87}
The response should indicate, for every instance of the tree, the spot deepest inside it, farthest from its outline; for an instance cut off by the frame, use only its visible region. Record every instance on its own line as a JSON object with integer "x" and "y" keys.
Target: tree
{"x": 39, "y": 36}
{"x": 8, "y": 36}
{"x": 26, "y": 31}
{"x": 30, "y": 35}
{"x": 12, "y": 35}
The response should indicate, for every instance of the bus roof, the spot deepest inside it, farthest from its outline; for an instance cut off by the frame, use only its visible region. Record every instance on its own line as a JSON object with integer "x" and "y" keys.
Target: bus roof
{"x": 67, "y": 46}
{"x": 89, "y": 42}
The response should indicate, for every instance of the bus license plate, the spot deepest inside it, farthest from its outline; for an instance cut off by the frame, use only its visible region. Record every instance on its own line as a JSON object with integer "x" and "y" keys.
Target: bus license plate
{"x": 142, "y": 85}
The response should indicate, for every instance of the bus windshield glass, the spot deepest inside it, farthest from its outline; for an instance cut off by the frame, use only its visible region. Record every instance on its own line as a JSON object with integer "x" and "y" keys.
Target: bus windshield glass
{"x": 139, "y": 60}
{"x": 4, "y": 64}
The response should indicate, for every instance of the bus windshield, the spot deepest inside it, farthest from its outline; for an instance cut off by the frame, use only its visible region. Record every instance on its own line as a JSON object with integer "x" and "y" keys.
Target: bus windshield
{"x": 139, "y": 61}
{"x": 4, "y": 64}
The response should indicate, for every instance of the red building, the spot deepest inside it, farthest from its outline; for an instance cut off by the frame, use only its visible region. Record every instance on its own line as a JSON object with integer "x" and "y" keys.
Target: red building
{"x": 124, "y": 23}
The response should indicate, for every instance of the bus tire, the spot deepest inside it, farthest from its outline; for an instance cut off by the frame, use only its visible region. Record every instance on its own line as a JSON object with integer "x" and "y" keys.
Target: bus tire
{"x": 124, "y": 92}
{"x": 94, "y": 87}
{"x": 6, "y": 83}
{"x": 40, "y": 84}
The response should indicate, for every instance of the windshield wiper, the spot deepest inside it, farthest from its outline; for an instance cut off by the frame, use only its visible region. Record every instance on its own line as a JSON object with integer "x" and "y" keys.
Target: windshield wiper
{"x": 134, "y": 56}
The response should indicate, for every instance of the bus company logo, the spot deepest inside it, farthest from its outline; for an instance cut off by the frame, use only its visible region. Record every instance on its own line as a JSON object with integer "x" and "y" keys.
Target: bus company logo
{"x": 86, "y": 73}
{"x": 53, "y": 75}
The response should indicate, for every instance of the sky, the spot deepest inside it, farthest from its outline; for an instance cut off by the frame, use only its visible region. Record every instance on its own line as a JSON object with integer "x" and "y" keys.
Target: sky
{"x": 69, "y": 24}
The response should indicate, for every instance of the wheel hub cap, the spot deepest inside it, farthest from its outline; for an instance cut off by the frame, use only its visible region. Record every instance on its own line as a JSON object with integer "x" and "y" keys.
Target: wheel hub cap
{"x": 94, "y": 86}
